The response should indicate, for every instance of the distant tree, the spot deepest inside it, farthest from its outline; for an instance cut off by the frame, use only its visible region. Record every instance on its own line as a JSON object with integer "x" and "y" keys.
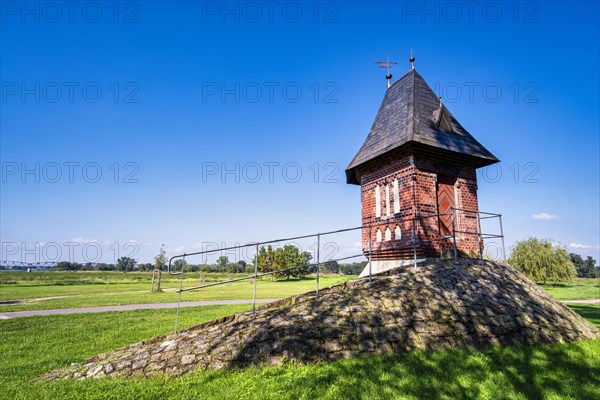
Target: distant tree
{"x": 222, "y": 263}
{"x": 280, "y": 259}
{"x": 266, "y": 259}
{"x": 179, "y": 265}
{"x": 68, "y": 266}
{"x": 145, "y": 267}
{"x": 126, "y": 264}
{"x": 295, "y": 262}
{"x": 542, "y": 262}
{"x": 160, "y": 261}
{"x": 585, "y": 269}
{"x": 353, "y": 269}
{"x": 594, "y": 270}
{"x": 330, "y": 266}
{"x": 105, "y": 267}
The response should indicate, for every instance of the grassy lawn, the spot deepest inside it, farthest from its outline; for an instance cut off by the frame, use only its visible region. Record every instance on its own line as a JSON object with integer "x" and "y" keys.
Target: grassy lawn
{"x": 580, "y": 288}
{"x": 32, "y": 346}
{"x": 93, "y": 289}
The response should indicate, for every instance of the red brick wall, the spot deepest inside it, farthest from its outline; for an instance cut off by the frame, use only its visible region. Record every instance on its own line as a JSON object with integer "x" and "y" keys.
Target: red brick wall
{"x": 417, "y": 181}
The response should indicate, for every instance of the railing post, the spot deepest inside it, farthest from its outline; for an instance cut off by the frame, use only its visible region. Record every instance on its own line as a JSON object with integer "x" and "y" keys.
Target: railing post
{"x": 318, "y": 262}
{"x": 454, "y": 233}
{"x": 502, "y": 237}
{"x": 255, "y": 279}
{"x": 414, "y": 226}
{"x": 179, "y": 293}
{"x": 370, "y": 241}
{"x": 479, "y": 236}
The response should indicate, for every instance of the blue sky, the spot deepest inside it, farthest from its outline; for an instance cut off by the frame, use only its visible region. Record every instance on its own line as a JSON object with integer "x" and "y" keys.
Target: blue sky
{"x": 129, "y": 115}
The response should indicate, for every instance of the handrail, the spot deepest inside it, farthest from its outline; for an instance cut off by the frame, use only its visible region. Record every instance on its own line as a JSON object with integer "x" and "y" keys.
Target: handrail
{"x": 371, "y": 252}
{"x": 391, "y": 221}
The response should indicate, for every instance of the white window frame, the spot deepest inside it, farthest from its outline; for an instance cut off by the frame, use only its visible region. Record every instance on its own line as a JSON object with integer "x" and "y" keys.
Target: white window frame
{"x": 396, "y": 197}
{"x": 388, "y": 210}
{"x": 377, "y": 201}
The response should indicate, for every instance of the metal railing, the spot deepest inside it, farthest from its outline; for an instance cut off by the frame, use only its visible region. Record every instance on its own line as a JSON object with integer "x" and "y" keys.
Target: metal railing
{"x": 416, "y": 241}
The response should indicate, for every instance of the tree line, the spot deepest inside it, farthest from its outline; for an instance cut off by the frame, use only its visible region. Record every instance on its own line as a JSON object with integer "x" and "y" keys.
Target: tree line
{"x": 284, "y": 262}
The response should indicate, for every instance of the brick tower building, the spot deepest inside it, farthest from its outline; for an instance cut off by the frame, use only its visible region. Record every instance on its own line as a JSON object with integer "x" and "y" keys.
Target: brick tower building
{"x": 417, "y": 174}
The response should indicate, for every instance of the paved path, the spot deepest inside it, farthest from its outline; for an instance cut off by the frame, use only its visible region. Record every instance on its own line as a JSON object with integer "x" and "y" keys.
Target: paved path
{"x": 155, "y": 306}
{"x": 585, "y": 301}
{"x": 129, "y": 307}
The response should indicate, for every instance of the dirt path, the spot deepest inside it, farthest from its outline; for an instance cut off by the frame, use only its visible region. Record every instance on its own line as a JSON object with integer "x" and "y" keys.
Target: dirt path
{"x": 129, "y": 307}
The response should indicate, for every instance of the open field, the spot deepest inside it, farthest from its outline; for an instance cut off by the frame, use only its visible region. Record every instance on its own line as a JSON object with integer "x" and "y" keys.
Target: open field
{"x": 580, "y": 288}
{"x": 32, "y": 346}
{"x": 55, "y": 290}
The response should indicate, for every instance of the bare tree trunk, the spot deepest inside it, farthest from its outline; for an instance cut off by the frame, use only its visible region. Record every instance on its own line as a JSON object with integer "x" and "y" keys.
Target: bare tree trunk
{"x": 158, "y": 281}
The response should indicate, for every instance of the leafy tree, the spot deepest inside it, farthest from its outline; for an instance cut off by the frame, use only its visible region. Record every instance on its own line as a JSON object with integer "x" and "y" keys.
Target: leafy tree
{"x": 297, "y": 262}
{"x": 585, "y": 269}
{"x": 160, "y": 261}
{"x": 68, "y": 266}
{"x": 331, "y": 267}
{"x": 126, "y": 264}
{"x": 145, "y": 267}
{"x": 179, "y": 265}
{"x": 354, "y": 268}
{"x": 280, "y": 259}
{"x": 266, "y": 259}
{"x": 541, "y": 262}
{"x": 222, "y": 263}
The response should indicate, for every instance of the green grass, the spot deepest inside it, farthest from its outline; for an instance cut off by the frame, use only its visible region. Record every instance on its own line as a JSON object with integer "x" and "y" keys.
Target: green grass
{"x": 94, "y": 289}
{"x": 580, "y": 288}
{"x": 31, "y": 346}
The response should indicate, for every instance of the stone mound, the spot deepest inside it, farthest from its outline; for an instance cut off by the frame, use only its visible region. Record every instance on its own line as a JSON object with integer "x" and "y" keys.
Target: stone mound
{"x": 436, "y": 305}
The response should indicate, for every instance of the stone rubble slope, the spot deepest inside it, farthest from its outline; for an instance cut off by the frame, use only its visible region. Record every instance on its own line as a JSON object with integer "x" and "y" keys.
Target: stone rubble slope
{"x": 436, "y": 305}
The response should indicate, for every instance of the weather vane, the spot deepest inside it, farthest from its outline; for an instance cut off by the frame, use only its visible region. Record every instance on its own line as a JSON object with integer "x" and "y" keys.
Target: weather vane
{"x": 387, "y": 64}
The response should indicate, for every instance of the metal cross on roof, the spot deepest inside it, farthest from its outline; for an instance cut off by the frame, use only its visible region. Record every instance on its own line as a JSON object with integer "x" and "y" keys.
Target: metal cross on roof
{"x": 387, "y": 64}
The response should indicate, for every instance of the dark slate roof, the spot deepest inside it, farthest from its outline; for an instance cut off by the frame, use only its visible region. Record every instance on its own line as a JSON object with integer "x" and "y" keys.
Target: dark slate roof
{"x": 409, "y": 114}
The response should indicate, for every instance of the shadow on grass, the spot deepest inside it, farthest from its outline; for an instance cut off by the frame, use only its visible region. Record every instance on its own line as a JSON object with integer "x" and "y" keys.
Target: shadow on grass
{"x": 531, "y": 372}
{"x": 591, "y": 312}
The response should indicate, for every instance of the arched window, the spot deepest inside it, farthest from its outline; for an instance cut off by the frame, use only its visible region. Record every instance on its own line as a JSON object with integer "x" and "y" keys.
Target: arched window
{"x": 378, "y": 235}
{"x": 397, "y": 233}
{"x": 377, "y": 201}
{"x": 388, "y": 234}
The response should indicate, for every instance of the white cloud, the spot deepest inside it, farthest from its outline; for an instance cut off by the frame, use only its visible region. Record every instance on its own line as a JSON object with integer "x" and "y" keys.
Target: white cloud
{"x": 176, "y": 249}
{"x": 83, "y": 240}
{"x": 545, "y": 217}
{"x": 580, "y": 246}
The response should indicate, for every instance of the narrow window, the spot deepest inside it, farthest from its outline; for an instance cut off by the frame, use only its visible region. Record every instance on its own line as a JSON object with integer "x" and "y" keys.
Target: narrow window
{"x": 397, "y": 233}
{"x": 377, "y": 201}
{"x": 388, "y": 234}
{"x": 388, "y": 211}
{"x": 378, "y": 235}
{"x": 396, "y": 197}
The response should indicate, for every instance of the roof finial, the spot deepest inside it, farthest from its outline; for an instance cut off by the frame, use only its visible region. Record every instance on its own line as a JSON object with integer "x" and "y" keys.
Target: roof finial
{"x": 387, "y": 64}
{"x": 412, "y": 60}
